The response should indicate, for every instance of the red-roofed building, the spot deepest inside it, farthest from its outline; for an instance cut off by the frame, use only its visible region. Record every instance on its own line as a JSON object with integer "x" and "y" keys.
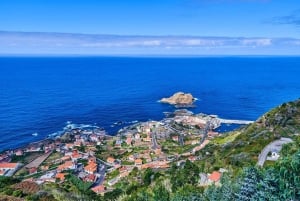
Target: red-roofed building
{"x": 66, "y": 166}
{"x": 215, "y": 176}
{"x": 99, "y": 189}
{"x": 110, "y": 160}
{"x": 8, "y": 166}
{"x": 75, "y": 155}
{"x": 138, "y": 162}
{"x": 90, "y": 178}
{"x": 91, "y": 168}
{"x": 60, "y": 176}
{"x": 2, "y": 172}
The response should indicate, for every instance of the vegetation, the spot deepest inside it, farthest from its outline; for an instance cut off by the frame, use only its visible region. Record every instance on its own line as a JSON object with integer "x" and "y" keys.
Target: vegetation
{"x": 80, "y": 185}
{"x": 236, "y": 151}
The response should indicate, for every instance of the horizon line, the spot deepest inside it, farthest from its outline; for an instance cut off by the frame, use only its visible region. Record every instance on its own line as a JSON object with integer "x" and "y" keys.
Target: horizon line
{"x": 50, "y": 43}
{"x": 141, "y": 35}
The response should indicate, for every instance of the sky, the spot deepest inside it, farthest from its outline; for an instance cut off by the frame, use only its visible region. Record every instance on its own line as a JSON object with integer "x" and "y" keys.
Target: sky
{"x": 147, "y": 27}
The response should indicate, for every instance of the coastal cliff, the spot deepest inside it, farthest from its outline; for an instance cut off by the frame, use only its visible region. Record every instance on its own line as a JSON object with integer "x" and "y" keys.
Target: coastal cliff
{"x": 179, "y": 98}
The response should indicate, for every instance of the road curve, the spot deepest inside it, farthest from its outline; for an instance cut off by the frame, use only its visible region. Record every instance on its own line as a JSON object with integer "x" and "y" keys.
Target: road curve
{"x": 273, "y": 146}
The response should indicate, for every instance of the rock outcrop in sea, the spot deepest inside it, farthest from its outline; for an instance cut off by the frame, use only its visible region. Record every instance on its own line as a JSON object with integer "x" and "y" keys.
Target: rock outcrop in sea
{"x": 179, "y": 99}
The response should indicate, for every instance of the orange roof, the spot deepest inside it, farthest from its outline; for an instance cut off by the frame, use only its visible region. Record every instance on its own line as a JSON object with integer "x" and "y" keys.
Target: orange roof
{"x": 76, "y": 155}
{"x": 91, "y": 177}
{"x": 98, "y": 189}
{"x": 215, "y": 176}
{"x": 60, "y": 176}
{"x": 138, "y": 161}
{"x": 8, "y": 165}
{"x": 66, "y": 165}
{"x": 92, "y": 167}
{"x": 110, "y": 160}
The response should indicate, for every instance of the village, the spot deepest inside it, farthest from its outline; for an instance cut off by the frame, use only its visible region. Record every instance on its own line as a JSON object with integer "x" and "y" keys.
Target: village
{"x": 101, "y": 160}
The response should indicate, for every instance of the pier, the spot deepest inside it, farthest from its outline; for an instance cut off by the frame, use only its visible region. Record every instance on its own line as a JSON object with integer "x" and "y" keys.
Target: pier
{"x": 233, "y": 121}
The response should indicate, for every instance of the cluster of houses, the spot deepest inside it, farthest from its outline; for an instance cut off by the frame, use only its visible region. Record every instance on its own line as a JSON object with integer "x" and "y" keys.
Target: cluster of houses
{"x": 8, "y": 169}
{"x": 86, "y": 166}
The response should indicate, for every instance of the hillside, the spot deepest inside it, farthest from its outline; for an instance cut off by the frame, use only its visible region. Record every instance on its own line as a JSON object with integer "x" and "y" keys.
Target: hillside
{"x": 235, "y": 153}
{"x": 241, "y": 147}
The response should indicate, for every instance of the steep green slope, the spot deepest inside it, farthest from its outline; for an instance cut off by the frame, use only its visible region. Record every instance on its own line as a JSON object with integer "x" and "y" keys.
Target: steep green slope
{"x": 241, "y": 147}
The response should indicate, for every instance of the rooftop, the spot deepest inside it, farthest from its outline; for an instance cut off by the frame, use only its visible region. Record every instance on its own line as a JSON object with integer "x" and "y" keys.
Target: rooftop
{"x": 8, "y": 165}
{"x": 215, "y": 176}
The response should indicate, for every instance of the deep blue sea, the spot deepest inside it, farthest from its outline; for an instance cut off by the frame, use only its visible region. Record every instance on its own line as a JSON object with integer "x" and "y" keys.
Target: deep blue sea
{"x": 38, "y": 95}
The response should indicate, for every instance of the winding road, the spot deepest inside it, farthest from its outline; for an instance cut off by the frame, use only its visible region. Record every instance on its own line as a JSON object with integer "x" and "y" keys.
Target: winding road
{"x": 273, "y": 146}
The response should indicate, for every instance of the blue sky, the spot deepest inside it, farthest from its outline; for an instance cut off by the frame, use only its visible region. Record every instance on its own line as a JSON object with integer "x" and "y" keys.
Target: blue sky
{"x": 247, "y": 19}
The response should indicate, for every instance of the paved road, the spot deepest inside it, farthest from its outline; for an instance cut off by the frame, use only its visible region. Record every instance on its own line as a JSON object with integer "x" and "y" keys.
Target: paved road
{"x": 273, "y": 146}
{"x": 154, "y": 141}
{"x": 101, "y": 175}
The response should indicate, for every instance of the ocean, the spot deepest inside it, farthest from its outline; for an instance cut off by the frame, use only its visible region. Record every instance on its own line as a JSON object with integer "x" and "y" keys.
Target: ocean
{"x": 40, "y": 94}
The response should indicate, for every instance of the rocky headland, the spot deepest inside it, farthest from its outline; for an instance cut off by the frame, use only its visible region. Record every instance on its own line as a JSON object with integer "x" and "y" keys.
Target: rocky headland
{"x": 179, "y": 99}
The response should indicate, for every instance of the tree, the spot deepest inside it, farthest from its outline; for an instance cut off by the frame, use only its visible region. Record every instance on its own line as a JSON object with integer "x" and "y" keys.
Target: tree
{"x": 248, "y": 186}
{"x": 188, "y": 193}
{"x": 113, "y": 195}
{"x": 268, "y": 188}
{"x": 289, "y": 180}
{"x": 80, "y": 185}
{"x": 148, "y": 176}
{"x": 189, "y": 174}
{"x": 81, "y": 148}
{"x": 161, "y": 193}
{"x": 213, "y": 193}
{"x": 227, "y": 188}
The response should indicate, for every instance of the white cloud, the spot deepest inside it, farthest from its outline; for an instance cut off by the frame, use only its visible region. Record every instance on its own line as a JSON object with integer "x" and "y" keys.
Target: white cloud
{"x": 60, "y": 42}
{"x": 257, "y": 42}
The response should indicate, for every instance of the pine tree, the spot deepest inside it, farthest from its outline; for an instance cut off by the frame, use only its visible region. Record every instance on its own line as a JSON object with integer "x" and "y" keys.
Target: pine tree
{"x": 248, "y": 186}
{"x": 213, "y": 193}
{"x": 227, "y": 188}
{"x": 268, "y": 188}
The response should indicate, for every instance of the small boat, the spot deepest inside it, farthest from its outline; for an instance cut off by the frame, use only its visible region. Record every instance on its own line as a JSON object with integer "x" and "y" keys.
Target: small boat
{"x": 34, "y": 134}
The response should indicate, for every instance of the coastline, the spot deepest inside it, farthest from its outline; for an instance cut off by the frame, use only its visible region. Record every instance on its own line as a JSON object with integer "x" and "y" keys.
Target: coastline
{"x": 104, "y": 101}
{"x": 91, "y": 129}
